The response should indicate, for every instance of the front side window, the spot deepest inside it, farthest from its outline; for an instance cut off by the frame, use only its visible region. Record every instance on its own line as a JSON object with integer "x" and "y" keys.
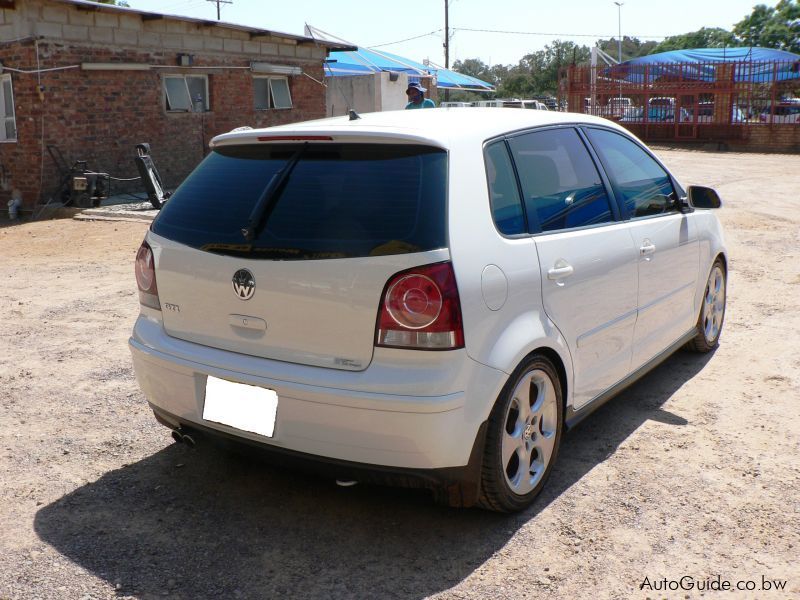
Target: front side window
{"x": 186, "y": 93}
{"x": 644, "y": 187}
{"x": 271, "y": 92}
{"x": 8, "y": 123}
{"x": 560, "y": 182}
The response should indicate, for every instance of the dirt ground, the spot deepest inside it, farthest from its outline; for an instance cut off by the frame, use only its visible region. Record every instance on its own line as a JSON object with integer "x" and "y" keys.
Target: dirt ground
{"x": 692, "y": 476}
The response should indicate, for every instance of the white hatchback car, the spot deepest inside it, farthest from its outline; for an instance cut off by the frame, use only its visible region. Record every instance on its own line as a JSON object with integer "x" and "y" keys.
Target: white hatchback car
{"x": 424, "y": 298}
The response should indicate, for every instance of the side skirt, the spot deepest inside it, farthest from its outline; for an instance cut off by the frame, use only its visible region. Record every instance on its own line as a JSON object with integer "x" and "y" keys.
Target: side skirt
{"x": 573, "y": 417}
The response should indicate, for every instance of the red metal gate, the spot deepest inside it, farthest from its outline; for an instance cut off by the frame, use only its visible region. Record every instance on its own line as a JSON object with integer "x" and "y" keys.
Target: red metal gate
{"x": 713, "y": 101}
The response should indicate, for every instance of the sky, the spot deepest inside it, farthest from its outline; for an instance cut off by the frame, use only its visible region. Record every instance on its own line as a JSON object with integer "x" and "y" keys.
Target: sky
{"x": 381, "y": 24}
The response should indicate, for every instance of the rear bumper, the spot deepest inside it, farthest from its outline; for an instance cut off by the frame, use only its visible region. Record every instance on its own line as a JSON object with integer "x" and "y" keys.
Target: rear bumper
{"x": 453, "y": 486}
{"x": 324, "y": 413}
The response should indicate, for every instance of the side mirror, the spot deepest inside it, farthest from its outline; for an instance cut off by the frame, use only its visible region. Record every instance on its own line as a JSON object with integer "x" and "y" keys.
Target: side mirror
{"x": 703, "y": 197}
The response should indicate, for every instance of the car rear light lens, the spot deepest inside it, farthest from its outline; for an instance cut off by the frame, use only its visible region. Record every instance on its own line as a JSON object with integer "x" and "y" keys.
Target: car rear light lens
{"x": 146, "y": 277}
{"x": 420, "y": 309}
{"x": 414, "y": 301}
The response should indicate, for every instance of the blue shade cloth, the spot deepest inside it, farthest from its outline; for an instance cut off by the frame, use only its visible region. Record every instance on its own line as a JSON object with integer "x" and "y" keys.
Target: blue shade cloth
{"x": 756, "y": 65}
{"x": 363, "y": 61}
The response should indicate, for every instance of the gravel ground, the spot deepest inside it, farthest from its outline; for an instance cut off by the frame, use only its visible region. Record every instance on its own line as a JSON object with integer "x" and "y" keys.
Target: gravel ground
{"x": 693, "y": 472}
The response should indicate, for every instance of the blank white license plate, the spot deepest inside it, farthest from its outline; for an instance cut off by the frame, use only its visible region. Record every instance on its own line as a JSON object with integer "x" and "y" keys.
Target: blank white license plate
{"x": 244, "y": 407}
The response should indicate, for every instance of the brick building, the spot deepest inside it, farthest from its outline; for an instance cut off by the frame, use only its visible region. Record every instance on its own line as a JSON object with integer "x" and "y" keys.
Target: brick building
{"x": 93, "y": 80}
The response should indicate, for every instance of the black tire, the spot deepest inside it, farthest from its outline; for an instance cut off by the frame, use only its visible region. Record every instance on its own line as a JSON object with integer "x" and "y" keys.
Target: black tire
{"x": 712, "y": 312}
{"x": 516, "y": 437}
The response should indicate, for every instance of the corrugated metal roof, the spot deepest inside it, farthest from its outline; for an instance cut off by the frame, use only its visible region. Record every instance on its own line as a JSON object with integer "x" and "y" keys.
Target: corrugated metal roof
{"x": 707, "y": 55}
{"x": 757, "y": 65}
{"x": 150, "y": 15}
{"x": 360, "y": 61}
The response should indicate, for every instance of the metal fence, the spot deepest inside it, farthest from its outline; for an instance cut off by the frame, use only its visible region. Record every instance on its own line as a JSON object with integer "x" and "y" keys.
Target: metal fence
{"x": 688, "y": 101}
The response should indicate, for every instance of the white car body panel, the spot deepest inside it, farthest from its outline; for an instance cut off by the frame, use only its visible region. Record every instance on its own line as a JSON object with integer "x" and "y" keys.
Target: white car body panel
{"x": 668, "y": 263}
{"x": 314, "y": 312}
{"x": 501, "y": 332}
{"x": 377, "y": 416}
{"x": 595, "y": 306}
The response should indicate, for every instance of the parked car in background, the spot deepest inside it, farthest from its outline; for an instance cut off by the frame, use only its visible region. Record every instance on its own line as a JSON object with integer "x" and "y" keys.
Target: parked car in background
{"x": 455, "y": 104}
{"x": 617, "y": 106}
{"x": 423, "y": 298}
{"x": 511, "y": 103}
{"x": 488, "y": 103}
{"x": 783, "y": 112}
{"x": 534, "y": 105}
{"x": 633, "y": 114}
{"x": 661, "y": 108}
{"x": 705, "y": 113}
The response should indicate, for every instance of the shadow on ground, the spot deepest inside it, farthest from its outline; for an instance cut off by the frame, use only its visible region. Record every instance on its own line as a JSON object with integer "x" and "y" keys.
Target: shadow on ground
{"x": 205, "y": 524}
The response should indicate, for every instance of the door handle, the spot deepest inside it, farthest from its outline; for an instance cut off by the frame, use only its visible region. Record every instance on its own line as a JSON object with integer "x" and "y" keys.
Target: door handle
{"x": 647, "y": 247}
{"x": 561, "y": 270}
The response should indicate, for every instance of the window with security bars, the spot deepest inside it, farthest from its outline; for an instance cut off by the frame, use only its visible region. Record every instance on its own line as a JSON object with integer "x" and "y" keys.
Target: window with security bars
{"x": 271, "y": 92}
{"x": 8, "y": 123}
{"x": 186, "y": 93}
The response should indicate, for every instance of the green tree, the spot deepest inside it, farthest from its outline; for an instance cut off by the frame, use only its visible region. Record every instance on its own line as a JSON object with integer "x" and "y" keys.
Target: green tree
{"x": 114, "y": 2}
{"x": 474, "y": 67}
{"x": 769, "y": 27}
{"x": 536, "y": 74}
{"x": 705, "y": 37}
{"x": 631, "y": 47}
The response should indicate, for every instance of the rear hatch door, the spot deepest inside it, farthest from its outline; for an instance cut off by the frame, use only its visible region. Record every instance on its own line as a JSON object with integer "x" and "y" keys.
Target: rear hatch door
{"x": 304, "y": 284}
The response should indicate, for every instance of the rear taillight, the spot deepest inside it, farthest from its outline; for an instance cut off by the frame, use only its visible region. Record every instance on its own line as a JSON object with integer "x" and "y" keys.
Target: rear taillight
{"x": 146, "y": 277}
{"x": 420, "y": 309}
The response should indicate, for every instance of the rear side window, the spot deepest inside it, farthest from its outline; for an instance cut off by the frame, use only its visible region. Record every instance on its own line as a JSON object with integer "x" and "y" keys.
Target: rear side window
{"x": 560, "y": 182}
{"x": 643, "y": 186}
{"x": 340, "y": 201}
{"x": 503, "y": 191}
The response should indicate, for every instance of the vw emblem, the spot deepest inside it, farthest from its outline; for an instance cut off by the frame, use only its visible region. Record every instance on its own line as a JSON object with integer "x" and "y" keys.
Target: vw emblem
{"x": 244, "y": 284}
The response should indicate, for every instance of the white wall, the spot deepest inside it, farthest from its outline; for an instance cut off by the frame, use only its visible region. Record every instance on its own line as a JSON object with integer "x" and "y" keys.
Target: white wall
{"x": 374, "y": 92}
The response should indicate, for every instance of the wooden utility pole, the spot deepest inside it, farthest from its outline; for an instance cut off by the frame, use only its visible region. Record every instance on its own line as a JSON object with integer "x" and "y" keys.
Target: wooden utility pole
{"x": 218, "y": 3}
{"x": 446, "y": 44}
{"x": 446, "y": 36}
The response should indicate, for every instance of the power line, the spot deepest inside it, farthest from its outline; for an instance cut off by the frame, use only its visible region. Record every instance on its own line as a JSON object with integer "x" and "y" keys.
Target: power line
{"x": 473, "y": 30}
{"x": 416, "y": 37}
{"x": 593, "y": 35}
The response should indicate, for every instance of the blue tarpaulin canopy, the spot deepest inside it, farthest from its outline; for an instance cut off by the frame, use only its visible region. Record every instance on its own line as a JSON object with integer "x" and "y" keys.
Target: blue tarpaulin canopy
{"x": 756, "y": 65}
{"x": 363, "y": 61}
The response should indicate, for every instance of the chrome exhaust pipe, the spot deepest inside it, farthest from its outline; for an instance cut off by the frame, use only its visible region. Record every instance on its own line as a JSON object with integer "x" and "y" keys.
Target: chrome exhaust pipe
{"x": 183, "y": 438}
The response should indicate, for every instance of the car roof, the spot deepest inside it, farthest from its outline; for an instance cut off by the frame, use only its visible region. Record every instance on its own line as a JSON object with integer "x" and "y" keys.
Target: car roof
{"x": 442, "y": 127}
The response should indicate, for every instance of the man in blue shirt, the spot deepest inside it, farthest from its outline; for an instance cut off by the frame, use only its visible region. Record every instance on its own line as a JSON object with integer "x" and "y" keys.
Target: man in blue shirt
{"x": 416, "y": 97}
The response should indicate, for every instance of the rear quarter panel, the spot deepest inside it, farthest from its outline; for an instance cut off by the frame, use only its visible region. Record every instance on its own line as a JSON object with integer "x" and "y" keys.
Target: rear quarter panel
{"x": 498, "y": 277}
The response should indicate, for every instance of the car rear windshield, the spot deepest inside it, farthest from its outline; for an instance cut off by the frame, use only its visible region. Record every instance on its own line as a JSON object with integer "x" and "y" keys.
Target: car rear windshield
{"x": 339, "y": 201}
